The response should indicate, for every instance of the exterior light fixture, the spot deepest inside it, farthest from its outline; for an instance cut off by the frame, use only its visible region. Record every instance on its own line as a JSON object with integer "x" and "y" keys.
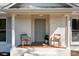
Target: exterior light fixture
{"x": 41, "y": 15}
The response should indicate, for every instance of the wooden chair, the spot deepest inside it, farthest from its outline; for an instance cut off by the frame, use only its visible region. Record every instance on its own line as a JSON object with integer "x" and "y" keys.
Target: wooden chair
{"x": 56, "y": 39}
{"x": 25, "y": 39}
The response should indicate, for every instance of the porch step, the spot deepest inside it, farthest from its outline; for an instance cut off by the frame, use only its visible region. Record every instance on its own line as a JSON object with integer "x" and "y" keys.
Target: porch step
{"x": 40, "y": 52}
{"x": 48, "y": 52}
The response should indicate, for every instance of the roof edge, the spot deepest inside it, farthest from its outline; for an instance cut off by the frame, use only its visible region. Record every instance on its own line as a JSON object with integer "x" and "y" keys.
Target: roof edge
{"x": 10, "y": 5}
{"x": 72, "y": 5}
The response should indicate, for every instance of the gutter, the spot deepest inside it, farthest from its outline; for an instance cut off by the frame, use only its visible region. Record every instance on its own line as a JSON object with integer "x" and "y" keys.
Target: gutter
{"x": 41, "y": 9}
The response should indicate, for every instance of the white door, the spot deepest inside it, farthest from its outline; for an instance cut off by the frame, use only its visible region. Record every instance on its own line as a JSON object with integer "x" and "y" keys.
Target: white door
{"x": 39, "y": 30}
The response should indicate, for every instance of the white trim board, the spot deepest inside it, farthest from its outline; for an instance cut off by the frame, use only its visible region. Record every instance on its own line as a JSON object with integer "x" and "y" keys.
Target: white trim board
{"x": 1, "y": 42}
{"x": 74, "y": 43}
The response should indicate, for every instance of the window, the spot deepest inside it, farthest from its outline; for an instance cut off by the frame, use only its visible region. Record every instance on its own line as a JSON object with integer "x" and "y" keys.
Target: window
{"x": 75, "y": 30}
{"x": 75, "y": 24}
{"x": 3, "y": 30}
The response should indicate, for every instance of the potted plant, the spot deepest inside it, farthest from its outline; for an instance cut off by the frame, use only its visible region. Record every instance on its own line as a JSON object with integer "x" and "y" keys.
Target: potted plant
{"x": 46, "y": 39}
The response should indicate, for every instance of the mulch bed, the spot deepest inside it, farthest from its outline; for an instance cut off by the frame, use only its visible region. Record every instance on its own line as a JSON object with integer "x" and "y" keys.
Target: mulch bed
{"x": 74, "y": 53}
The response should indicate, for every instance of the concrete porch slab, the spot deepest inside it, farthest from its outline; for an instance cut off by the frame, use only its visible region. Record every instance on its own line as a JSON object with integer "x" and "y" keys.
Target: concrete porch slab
{"x": 40, "y": 52}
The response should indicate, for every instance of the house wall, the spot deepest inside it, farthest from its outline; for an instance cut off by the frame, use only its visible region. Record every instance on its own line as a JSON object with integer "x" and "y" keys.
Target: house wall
{"x": 25, "y": 24}
{"x": 57, "y": 25}
{"x": 8, "y": 30}
{"x": 47, "y": 25}
{"x": 22, "y": 25}
{"x": 5, "y": 46}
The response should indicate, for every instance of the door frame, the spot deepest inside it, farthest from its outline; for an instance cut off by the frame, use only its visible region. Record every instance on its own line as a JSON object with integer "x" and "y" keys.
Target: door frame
{"x": 33, "y": 17}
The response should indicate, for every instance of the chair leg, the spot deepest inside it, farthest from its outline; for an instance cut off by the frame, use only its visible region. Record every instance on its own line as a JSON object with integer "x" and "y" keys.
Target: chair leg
{"x": 23, "y": 43}
{"x": 54, "y": 44}
{"x": 59, "y": 43}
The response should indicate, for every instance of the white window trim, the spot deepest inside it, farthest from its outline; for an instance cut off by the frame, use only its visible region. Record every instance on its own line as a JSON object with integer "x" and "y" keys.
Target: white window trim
{"x": 1, "y": 42}
{"x": 73, "y": 42}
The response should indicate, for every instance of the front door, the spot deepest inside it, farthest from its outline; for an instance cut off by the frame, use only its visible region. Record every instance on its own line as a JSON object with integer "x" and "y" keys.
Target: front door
{"x": 39, "y": 30}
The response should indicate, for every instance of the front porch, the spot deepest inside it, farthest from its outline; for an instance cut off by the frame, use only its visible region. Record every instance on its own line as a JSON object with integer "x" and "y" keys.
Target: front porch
{"x": 25, "y": 24}
{"x": 36, "y": 24}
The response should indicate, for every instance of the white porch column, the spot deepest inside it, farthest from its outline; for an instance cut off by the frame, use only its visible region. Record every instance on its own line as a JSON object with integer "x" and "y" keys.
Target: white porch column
{"x": 13, "y": 30}
{"x": 68, "y": 34}
{"x": 68, "y": 31}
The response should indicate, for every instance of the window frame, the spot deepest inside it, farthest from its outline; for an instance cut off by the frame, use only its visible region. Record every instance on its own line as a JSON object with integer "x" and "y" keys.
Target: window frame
{"x": 4, "y": 42}
{"x": 73, "y": 42}
{"x": 75, "y": 29}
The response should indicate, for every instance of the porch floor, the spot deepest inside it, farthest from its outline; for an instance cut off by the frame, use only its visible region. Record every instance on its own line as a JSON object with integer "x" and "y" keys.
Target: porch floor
{"x": 39, "y": 45}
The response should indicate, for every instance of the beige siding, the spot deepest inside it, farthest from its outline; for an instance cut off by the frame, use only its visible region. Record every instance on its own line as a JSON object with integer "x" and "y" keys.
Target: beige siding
{"x": 8, "y": 30}
{"x": 47, "y": 25}
{"x": 57, "y": 25}
{"x": 22, "y": 25}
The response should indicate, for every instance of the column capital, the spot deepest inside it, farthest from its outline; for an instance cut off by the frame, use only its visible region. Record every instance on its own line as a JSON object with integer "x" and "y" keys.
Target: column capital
{"x": 13, "y": 15}
{"x": 67, "y": 15}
